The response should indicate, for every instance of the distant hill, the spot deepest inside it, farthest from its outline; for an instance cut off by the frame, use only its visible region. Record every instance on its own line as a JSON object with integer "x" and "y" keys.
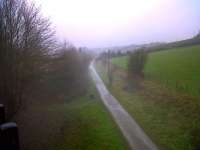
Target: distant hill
{"x": 162, "y": 46}
{"x": 156, "y": 46}
{"x": 122, "y": 49}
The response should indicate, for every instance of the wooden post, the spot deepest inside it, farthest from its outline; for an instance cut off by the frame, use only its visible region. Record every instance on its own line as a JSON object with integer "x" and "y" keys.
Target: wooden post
{"x": 9, "y": 138}
{"x": 2, "y": 114}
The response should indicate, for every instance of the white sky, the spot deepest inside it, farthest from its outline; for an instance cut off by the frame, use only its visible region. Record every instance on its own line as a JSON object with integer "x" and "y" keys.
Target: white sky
{"x": 102, "y": 23}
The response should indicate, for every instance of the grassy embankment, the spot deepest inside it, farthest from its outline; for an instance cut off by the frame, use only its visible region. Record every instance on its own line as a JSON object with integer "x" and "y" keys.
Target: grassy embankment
{"x": 169, "y": 115}
{"x": 64, "y": 123}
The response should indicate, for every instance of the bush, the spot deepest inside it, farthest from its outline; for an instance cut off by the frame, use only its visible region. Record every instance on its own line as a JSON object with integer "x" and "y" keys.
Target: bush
{"x": 136, "y": 63}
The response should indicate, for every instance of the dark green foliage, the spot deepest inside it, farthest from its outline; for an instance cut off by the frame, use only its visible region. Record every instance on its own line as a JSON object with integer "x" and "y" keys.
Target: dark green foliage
{"x": 136, "y": 63}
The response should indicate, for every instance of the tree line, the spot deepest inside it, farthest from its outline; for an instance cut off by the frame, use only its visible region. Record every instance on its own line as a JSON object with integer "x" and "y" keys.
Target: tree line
{"x": 29, "y": 52}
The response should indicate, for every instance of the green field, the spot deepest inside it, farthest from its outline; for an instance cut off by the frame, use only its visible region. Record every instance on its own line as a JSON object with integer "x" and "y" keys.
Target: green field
{"x": 176, "y": 68}
{"x": 122, "y": 61}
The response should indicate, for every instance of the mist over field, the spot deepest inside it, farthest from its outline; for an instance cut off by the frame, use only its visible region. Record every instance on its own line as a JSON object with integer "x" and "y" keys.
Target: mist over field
{"x": 96, "y": 24}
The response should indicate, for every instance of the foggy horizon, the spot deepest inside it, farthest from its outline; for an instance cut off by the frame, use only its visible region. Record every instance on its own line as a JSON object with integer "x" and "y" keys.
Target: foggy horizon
{"x": 99, "y": 74}
{"x": 99, "y": 24}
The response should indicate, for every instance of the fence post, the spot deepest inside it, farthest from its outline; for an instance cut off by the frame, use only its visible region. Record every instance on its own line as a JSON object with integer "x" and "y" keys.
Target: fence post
{"x": 9, "y": 138}
{"x": 2, "y": 114}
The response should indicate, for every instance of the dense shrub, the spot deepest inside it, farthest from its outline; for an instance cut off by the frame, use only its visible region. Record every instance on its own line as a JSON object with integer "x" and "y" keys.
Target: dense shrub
{"x": 136, "y": 63}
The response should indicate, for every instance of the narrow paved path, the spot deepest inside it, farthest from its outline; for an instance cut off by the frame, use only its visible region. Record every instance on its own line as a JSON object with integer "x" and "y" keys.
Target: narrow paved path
{"x": 135, "y": 136}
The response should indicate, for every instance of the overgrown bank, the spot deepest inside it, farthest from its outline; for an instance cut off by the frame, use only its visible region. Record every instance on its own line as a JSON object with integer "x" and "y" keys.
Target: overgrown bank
{"x": 59, "y": 121}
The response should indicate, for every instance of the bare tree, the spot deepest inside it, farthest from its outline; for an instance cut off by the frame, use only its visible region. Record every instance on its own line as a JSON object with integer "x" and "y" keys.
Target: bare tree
{"x": 26, "y": 39}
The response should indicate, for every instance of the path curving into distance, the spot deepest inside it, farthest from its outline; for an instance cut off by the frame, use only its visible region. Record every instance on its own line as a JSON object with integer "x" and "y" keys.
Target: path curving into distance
{"x": 135, "y": 136}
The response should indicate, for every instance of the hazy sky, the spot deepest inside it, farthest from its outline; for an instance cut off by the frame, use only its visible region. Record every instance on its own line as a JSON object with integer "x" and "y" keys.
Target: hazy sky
{"x": 101, "y": 23}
